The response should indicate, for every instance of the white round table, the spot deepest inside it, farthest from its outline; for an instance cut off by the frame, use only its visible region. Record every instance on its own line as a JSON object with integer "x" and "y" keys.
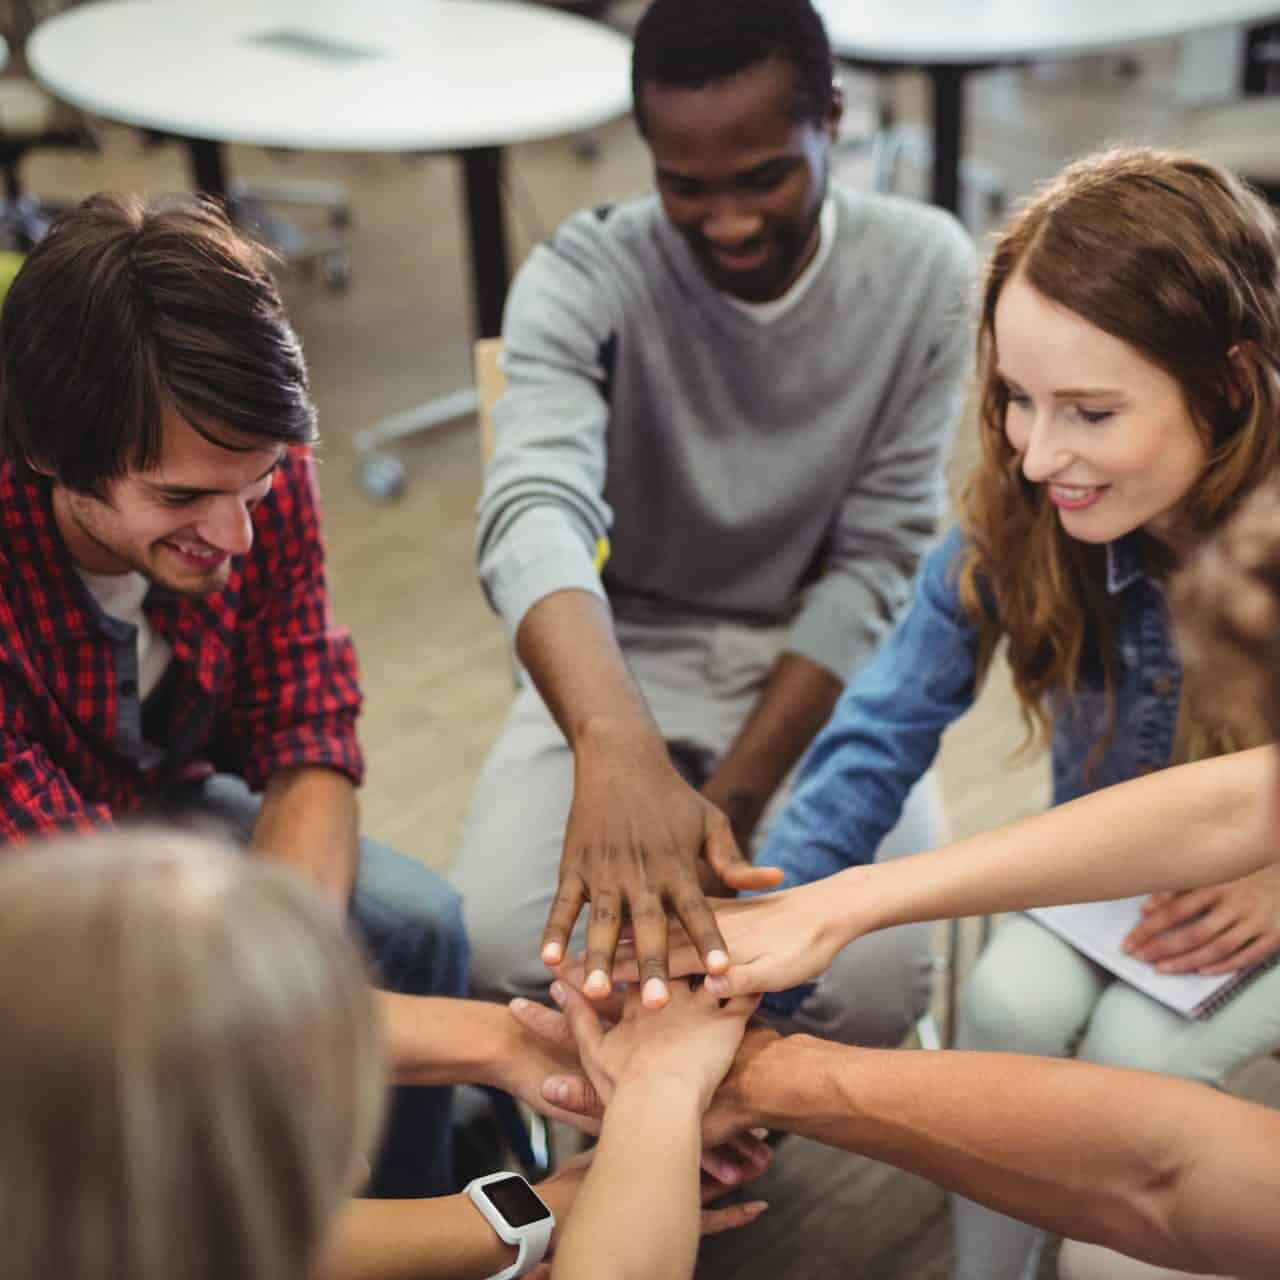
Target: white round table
{"x": 462, "y": 76}
{"x": 948, "y": 39}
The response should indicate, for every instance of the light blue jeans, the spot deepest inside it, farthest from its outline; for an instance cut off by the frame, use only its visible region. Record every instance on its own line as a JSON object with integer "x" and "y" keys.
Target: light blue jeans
{"x": 411, "y": 923}
{"x": 1032, "y": 993}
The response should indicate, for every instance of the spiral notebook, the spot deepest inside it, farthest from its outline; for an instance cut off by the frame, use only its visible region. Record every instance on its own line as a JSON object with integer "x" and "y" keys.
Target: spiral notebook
{"x": 1097, "y": 929}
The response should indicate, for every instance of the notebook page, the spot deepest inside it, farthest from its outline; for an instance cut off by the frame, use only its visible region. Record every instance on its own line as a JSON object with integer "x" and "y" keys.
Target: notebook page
{"x": 1097, "y": 929}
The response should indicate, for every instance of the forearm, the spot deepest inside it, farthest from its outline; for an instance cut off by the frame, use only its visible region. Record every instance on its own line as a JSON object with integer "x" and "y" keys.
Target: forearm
{"x": 796, "y": 702}
{"x": 567, "y": 644}
{"x": 1198, "y": 824}
{"x": 636, "y": 1217}
{"x": 310, "y": 819}
{"x": 433, "y": 1040}
{"x": 1187, "y": 1178}
{"x": 439, "y": 1239}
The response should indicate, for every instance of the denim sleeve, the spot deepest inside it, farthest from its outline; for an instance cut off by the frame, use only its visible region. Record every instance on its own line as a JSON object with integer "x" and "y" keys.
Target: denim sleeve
{"x": 883, "y": 735}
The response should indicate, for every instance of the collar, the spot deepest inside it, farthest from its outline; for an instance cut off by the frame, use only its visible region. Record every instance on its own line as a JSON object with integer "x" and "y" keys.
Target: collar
{"x": 1124, "y": 564}
{"x": 32, "y": 544}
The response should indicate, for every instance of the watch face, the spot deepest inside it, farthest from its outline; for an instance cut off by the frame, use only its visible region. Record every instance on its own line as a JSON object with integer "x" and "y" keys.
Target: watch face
{"x": 515, "y": 1200}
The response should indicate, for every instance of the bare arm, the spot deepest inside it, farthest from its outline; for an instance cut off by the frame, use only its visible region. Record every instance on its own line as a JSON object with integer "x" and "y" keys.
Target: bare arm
{"x": 1197, "y": 824}
{"x": 636, "y": 831}
{"x": 796, "y": 702}
{"x": 1168, "y": 1171}
{"x": 444, "y": 1238}
{"x": 309, "y": 819}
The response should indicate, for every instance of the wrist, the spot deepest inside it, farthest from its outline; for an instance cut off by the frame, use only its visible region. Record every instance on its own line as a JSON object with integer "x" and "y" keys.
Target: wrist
{"x": 757, "y": 1092}
{"x": 669, "y": 1092}
{"x": 613, "y": 737}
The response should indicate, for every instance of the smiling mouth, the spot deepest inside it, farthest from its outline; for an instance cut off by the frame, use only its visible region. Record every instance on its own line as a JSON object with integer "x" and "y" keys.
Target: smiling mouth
{"x": 1075, "y": 497}
{"x": 751, "y": 259}
{"x": 197, "y": 556}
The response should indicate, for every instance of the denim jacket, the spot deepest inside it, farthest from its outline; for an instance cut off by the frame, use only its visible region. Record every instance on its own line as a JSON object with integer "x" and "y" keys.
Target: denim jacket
{"x": 885, "y": 730}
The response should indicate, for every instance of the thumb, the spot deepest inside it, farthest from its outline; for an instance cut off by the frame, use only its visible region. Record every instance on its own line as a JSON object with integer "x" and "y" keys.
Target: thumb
{"x": 748, "y": 979}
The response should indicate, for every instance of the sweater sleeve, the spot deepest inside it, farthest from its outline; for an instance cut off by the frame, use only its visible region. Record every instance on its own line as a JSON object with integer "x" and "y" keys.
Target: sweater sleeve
{"x": 889, "y": 514}
{"x": 883, "y": 734}
{"x": 542, "y": 514}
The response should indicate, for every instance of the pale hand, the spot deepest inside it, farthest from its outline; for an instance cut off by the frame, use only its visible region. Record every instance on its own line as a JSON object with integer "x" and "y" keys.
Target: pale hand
{"x": 731, "y": 1156}
{"x": 778, "y": 940}
{"x": 1213, "y": 930}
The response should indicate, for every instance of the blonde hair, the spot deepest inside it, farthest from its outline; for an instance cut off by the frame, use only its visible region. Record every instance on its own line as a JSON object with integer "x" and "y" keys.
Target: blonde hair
{"x": 1181, "y": 261}
{"x": 191, "y": 1070}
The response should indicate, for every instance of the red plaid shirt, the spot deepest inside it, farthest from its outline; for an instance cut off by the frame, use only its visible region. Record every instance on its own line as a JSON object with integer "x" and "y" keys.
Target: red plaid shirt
{"x": 260, "y": 677}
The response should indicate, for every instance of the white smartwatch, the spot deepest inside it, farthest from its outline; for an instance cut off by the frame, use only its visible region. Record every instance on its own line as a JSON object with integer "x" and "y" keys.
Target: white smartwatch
{"x": 519, "y": 1216}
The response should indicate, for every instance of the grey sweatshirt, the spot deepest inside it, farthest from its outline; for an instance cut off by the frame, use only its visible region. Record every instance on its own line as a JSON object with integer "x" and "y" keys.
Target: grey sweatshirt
{"x": 763, "y": 472}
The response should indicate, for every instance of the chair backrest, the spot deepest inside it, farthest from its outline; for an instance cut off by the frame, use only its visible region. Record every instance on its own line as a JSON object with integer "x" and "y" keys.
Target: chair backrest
{"x": 490, "y": 384}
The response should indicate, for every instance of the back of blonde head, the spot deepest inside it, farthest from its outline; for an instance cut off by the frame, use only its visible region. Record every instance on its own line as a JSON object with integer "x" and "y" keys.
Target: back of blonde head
{"x": 191, "y": 1070}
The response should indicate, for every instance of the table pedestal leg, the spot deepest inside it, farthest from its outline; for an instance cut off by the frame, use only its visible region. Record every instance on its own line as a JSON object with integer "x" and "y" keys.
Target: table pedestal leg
{"x": 486, "y": 237}
{"x": 947, "y": 84}
{"x": 208, "y": 169}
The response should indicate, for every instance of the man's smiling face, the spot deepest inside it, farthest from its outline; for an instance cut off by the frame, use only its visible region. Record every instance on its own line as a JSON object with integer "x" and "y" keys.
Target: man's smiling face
{"x": 180, "y": 522}
{"x": 740, "y": 176}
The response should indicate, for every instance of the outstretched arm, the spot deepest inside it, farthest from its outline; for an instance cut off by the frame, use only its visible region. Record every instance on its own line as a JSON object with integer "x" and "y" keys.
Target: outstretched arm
{"x": 1161, "y": 1169}
{"x": 1197, "y": 824}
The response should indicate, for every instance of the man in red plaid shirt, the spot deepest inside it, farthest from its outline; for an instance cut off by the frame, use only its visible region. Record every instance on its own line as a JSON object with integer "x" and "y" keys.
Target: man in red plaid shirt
{"x": 166, "y": 647}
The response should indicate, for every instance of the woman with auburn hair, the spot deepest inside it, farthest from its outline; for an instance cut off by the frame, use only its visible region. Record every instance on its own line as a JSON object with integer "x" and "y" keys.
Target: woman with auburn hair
{"x": 1129, "y": 364}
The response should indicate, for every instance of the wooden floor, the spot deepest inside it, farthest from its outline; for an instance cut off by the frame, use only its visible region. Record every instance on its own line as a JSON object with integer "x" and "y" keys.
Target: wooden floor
{"x": 434, "y": 664}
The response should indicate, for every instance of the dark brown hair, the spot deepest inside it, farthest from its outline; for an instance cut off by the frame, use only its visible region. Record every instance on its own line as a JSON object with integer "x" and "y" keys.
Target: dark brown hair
{"x": 1181, "y": 261}
{"x": 125, "y": 309}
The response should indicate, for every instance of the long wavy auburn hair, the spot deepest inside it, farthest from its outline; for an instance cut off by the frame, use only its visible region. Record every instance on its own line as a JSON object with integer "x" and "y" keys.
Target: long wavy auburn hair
{"x": 1180, "y": 260}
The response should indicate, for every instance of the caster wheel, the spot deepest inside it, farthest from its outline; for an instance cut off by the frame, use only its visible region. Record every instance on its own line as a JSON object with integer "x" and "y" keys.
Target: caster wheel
{"x": 337, "y": 271}
{"x": 382, "y": 477}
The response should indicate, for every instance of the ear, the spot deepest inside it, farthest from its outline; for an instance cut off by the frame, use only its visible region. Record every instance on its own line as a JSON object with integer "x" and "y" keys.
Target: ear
{"x": 836, "y": 111}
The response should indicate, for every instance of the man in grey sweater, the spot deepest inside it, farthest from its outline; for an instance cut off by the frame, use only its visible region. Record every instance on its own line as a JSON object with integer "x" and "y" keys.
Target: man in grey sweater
{"x": 718, "y": 463}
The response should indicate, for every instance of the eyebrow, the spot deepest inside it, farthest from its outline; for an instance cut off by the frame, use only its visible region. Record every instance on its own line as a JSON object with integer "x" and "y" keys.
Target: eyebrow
{"x": 1069, "y": 393}
{"x": 787, "y": 161}
{"x": 193, "y": 491}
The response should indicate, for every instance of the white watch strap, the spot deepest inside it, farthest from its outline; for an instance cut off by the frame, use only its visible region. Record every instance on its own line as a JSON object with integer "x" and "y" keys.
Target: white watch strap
{"x": 532, "y": 1249}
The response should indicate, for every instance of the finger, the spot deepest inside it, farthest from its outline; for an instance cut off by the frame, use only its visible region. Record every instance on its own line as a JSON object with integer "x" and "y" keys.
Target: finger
{"x": 546, "y": 1024}
{"x": 602, "y": 940}
{"x": 582, "y": 1018}
{"x": 752, "y": 979}
{"x": 573, "y": 970}
{"x": 575, "y": 1094}
{"x": 1175, "y": 944}
{"x": 1220, "y": 949}
{"x": 1255, "y": 953}
{"x": 714, "y": 1221}
{"x": 1158, "y": 900}
{"x": 649, "y": 919}
{"x": 699, "y": 923}
{"x": 755, "y": 1155}
{"x": 748, "y": 877}
{"x": 570, "y": 895}
{"x": 719, "y": 1164}
{"x": 1182, "y": 908}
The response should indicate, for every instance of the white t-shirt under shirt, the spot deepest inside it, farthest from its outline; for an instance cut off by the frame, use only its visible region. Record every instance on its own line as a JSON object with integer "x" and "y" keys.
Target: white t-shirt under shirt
{"x": 121, "y": 595}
